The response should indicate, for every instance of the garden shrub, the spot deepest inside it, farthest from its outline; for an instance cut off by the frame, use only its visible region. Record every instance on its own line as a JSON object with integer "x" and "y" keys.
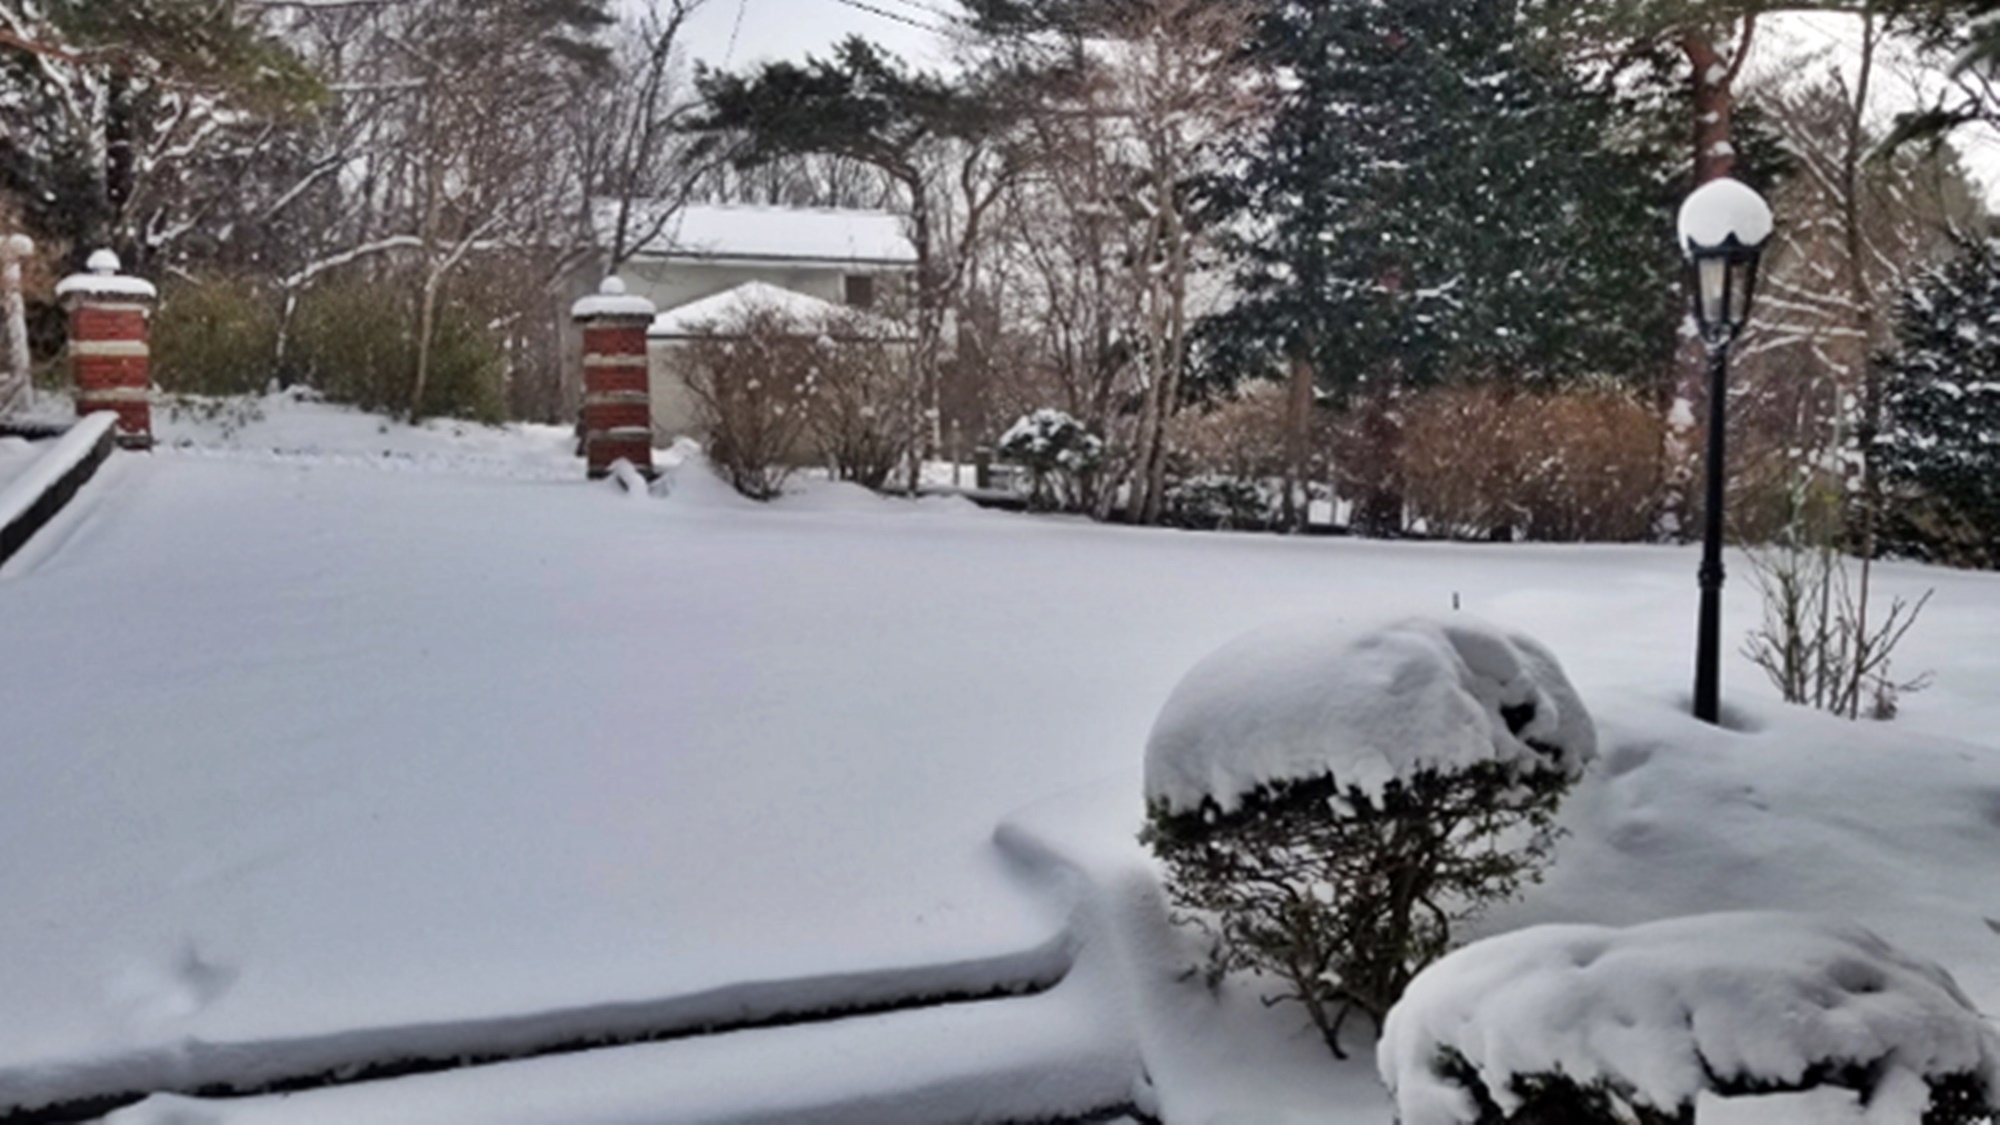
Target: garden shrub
{"x": 1581, "y": 464}
{"x": 752, "y": 382}
{"x": 355, "y": 342}
{"x": 1215, "y": 502}
{"x": 1327, "y": 805}
{"x": 216, "y": 337}
{"x": 1059, "y": 454}
{"x": 862, "y": 412}
{"x": 1795, "y": 1017}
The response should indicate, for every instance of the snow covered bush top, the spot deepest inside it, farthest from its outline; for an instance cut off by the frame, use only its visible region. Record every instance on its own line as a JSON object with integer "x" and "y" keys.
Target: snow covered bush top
{"x": 1665, "y": 1011}
{"x": 1050, "y": 439}
{"x": 1322, "y": 698}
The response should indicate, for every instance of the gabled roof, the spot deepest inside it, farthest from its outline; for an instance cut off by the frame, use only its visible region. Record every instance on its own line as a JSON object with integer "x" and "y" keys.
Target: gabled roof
{"x": 805, "y": 311}
{"x": 790, "y": 235}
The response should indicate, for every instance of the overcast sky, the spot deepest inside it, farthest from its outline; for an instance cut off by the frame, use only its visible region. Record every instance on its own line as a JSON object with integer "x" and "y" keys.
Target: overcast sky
{"x": 734, "y": 32}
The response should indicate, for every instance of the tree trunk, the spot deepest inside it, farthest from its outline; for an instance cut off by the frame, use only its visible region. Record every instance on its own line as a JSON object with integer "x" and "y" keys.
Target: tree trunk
{"x": 426, "y": 329}
{"x": 1864, "y": 321}
{"x": 1714, "y": 107}
{"x": 1297, "y": 509}
{"x": 1713, "y": 99}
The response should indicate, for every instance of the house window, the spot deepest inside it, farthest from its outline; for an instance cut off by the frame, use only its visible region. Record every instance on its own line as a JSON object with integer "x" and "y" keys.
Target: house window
{"x": 861, "y": 290}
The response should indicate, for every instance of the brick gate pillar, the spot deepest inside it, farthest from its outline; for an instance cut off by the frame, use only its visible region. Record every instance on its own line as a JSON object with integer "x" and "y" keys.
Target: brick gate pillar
{"x": 108, "y": 318}
{"x": 617, "y": 400}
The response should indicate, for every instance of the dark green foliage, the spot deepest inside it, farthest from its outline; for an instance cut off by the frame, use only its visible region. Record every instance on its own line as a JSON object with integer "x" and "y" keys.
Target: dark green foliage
{"x": 214, "y": 338}
{"x": 1557, "y": 1099}
{"x": 1436, "y": 197}
{"x": 1060, "y": 454}
{"x": 1344, "y": 899}
{"x": 1940, "y": 442}
{"x": 1216, "y": 502}
{"x": 355, "y": 344}
{"x": 98, "y": 82}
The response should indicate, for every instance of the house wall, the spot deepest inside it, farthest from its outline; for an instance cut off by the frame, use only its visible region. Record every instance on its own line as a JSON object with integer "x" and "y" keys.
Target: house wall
{"x": 673, "y": 402}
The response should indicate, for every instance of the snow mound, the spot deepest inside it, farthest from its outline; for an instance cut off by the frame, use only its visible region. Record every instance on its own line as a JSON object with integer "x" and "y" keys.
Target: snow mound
{"x": 1664, "y": 1011}
{"x": 1368, "y": 707}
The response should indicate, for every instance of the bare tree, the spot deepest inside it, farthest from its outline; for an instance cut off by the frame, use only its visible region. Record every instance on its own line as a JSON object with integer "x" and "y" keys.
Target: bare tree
{"x": 1106, "y": 222}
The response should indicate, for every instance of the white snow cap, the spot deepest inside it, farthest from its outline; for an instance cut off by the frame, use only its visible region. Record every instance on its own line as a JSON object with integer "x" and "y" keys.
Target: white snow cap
{"x": 802, "y": 311}
{"x": 1720, "y": 208}
{"x": 1322, "y": 697}
{"x": 611, "y": 300}
{"x": 105, "y": 280}
{"x": 1656, "y": 1010}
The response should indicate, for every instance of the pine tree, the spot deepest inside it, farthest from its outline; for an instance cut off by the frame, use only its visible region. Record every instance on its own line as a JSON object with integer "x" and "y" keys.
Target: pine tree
{"x": 95, "y": 95}
{"x": 1437, "y": 199}
{"x": 1940, "y": 443}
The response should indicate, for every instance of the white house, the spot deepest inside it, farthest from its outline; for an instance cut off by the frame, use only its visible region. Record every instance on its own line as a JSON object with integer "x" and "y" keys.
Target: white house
{"x": 709, "y": 263}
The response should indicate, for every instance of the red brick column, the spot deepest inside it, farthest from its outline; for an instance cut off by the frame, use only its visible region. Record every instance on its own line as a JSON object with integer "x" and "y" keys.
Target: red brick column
{"x": 617, "y": 399}
{"x": 108, "y": 318}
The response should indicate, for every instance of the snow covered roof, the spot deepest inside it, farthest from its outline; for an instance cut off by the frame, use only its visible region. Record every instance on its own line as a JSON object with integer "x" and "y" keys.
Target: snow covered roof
{"x": 1663, "y": 1012}
{"x": 799, "y": 235}
{"x": 1322, "y": 698}
{"x": 731, "y": 306}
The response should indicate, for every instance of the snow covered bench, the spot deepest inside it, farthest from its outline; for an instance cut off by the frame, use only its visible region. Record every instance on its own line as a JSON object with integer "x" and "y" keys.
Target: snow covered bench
{"x": 1726, "y": 1018}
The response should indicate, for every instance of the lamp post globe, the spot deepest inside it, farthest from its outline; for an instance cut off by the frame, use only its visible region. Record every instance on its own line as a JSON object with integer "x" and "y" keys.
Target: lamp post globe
{"x": 1723, "y": 227}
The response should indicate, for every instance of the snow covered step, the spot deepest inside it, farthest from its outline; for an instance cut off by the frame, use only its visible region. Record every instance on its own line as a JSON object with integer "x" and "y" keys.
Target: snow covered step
{"x": 1055, "y": 1055}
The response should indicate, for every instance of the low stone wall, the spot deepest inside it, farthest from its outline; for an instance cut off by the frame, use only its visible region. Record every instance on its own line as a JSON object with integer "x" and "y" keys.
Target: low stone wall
{"x": 31, "y": 500}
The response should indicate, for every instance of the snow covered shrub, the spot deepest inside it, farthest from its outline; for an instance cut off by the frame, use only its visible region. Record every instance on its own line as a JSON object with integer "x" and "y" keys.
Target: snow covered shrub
{"x": 752, "y": 379}
{"x": 1214, "y": 502}
{"x": 1329, "y": 802}
{"x": 1940, "y": 439}
{"x": 217, "y": 337}
{"x": 1581, "y": 464}
{"x": 863, "y": 412}
{"x": 1058, "y": 453}
{"x": 1790, "y": 1018}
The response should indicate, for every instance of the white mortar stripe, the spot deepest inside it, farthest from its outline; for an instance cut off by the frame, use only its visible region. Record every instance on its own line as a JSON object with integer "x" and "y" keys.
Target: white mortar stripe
{"x": 110, "y": 347}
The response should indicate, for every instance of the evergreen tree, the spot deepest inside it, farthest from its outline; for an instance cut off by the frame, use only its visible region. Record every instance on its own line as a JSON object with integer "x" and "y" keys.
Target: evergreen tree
{"x": 1940, "y": 444}
{"x": 1435, "y": 199}
{"x": 102, "y": 100}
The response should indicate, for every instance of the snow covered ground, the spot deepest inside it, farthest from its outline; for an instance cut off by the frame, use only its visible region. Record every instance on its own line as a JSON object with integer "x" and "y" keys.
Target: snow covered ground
{"x": 16, "y": 454}
{"x": 328, "y": 740}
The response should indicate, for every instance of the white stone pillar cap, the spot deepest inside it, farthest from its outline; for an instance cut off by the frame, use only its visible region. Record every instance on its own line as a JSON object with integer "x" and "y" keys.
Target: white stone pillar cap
{"x": 104, "y": 280}
{"x": 611, "y": 299}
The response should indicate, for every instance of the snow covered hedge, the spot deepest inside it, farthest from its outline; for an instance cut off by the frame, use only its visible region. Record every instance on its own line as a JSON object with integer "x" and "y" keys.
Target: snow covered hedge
{"x": 1328, "y": 802}
{"x": 1591, "y": 1024}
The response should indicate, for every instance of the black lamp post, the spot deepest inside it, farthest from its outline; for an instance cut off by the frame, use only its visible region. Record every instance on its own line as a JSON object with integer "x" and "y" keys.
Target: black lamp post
{"x": 1723, "y": 226}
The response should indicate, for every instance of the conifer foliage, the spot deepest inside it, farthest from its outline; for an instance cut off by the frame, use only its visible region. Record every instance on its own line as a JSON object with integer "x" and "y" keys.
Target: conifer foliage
{"x": 1439, "y": 198}
{"x": 1941, "y": 437}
